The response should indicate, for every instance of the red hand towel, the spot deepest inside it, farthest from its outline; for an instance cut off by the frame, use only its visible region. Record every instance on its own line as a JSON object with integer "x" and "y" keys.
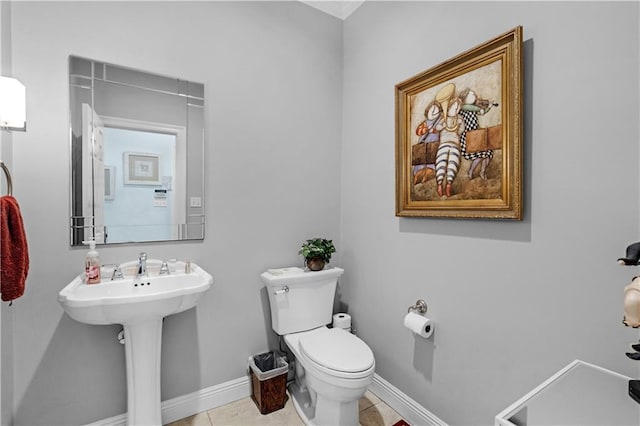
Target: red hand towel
{"x": 14, "y": 264}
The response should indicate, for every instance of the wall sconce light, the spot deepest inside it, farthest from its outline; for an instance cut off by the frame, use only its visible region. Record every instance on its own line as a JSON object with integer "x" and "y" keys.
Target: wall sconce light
{"x": 13, "y": 105}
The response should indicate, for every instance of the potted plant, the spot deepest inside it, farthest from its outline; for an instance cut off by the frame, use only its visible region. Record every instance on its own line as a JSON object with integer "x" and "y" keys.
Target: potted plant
{"x": 317, "y": 252}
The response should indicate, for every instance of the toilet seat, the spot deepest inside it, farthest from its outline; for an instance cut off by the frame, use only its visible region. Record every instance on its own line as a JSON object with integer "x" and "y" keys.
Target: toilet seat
{"x": 337, "y": 352}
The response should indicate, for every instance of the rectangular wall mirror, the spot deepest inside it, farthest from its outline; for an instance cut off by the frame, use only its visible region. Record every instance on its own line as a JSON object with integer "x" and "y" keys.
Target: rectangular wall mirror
{"x": 137, "y": 155}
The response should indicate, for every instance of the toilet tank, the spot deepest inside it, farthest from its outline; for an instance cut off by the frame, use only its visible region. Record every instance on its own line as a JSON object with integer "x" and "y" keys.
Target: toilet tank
{"x": 300, "y": 299}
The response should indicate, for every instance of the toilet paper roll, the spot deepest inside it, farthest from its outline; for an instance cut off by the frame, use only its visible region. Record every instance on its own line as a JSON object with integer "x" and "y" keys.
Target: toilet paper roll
{"x": 342, "y": 321}
{"x": 422, "y": 326}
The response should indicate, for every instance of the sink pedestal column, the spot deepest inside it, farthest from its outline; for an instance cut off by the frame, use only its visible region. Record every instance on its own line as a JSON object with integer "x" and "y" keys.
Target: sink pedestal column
{"x": 142, "y": 351}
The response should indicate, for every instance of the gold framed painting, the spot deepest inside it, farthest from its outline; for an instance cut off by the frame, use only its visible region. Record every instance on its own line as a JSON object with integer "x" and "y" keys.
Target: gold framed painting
{"x": 459, "y": 135}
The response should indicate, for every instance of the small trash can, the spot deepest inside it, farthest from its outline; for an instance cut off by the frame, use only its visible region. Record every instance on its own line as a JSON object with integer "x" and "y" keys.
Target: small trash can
{"x": 268, "y": 372}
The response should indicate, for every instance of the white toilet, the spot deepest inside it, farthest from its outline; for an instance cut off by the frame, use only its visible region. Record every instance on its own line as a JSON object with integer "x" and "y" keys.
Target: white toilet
{"x": 333, "y": 366}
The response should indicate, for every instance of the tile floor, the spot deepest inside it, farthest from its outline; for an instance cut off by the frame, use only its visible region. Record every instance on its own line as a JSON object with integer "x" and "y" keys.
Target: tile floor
{"x": 373, "y": 412}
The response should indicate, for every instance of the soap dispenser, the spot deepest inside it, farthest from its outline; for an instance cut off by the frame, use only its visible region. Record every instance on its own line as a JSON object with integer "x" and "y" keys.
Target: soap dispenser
{"x": 92, "y": 264}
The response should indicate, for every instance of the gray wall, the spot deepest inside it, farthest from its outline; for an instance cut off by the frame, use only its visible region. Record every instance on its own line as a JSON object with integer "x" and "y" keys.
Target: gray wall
{"x": 272, "y": 74}
{"x": 514, "y": 301}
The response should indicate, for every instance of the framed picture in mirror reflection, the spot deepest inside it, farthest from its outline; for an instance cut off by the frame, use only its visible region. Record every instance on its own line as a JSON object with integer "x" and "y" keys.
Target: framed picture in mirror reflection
{"x": 142, "y": 169}
{"x": 109, "y": 182}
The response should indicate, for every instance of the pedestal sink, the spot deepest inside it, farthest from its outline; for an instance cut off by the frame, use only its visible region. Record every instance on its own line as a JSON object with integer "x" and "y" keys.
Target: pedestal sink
{"x": 139, "y": 304}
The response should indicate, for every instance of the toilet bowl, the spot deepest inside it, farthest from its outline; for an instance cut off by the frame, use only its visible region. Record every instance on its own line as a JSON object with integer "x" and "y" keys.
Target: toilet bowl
{"x": 334, "y": 368}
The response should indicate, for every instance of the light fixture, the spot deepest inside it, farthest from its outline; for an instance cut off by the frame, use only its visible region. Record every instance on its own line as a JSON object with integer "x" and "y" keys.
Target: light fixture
{"x": 13, "y": 109}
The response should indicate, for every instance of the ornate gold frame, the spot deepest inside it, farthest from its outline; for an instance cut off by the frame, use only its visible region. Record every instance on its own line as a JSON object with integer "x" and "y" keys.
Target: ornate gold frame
{"x": 504, "y": 55}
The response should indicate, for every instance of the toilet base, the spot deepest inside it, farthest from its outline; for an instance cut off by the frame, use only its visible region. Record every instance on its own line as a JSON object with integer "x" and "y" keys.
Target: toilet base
{"x": 325, "y": 411}
{"x": 302, "y": 403}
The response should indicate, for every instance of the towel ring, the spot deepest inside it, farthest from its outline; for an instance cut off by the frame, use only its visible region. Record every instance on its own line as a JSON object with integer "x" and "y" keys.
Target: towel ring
{"x": 7, "y": 174}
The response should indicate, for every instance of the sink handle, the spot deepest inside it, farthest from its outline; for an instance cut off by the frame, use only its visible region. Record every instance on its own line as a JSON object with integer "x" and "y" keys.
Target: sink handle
{"x": 117, "y": 273}
{"x": 164, "y": 269}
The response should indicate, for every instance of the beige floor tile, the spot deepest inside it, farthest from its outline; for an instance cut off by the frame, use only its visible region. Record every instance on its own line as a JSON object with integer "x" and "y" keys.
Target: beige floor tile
{"x": 379, "y": 414}
{"x": 287, "y": 416}
{"x": 245, "y": 413}
{"x": 373, "y": 397}
{"x": 200, "y": 419}
{"x": 234, "y": 412}
{"x": 367, "y": 401}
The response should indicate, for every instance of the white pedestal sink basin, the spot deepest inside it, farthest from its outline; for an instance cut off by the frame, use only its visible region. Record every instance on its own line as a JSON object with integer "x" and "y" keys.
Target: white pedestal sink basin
{"x": 139, "y": 304}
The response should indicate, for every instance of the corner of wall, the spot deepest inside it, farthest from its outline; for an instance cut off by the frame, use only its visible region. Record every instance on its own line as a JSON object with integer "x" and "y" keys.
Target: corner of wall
{"x": 6, "y": 312}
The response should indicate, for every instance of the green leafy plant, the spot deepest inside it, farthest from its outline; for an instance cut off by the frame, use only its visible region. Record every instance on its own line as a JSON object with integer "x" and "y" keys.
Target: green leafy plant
{"x": 317, "y": 248}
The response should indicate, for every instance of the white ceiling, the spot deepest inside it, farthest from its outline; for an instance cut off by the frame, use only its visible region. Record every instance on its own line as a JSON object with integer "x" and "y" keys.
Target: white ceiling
{"x": 339, "y": 9}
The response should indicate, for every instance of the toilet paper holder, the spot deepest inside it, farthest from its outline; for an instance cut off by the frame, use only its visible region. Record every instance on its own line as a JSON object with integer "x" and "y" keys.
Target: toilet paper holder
{"x": 420, "y": 306}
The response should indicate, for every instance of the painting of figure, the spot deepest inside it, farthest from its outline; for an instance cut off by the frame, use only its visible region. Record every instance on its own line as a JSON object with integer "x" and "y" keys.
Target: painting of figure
{"x": 459, "y": 135}
{"x": 465, "y": 104}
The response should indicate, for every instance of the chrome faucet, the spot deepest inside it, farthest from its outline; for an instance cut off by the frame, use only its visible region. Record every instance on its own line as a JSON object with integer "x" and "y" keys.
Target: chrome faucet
{"x": 142, "y": 265}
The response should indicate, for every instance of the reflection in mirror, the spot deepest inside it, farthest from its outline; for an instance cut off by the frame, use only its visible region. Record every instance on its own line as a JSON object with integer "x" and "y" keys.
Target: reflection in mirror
{"x": 137, "y": 145}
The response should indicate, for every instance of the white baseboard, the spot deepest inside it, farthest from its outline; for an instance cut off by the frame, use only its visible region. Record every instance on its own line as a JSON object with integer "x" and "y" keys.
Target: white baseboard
{"x": 233, "y": 390}
{"x": 414, "y": 413}
{"x": 205, "y": 399}
{"x": 193, "y": 403}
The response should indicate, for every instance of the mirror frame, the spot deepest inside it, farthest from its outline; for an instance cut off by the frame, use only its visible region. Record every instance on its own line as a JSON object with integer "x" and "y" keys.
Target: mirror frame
{"x": 86, "y": 76}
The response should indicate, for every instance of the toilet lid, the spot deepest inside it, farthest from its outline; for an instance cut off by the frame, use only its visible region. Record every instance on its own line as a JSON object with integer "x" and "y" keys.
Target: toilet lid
{"x": 337, "y": 349}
